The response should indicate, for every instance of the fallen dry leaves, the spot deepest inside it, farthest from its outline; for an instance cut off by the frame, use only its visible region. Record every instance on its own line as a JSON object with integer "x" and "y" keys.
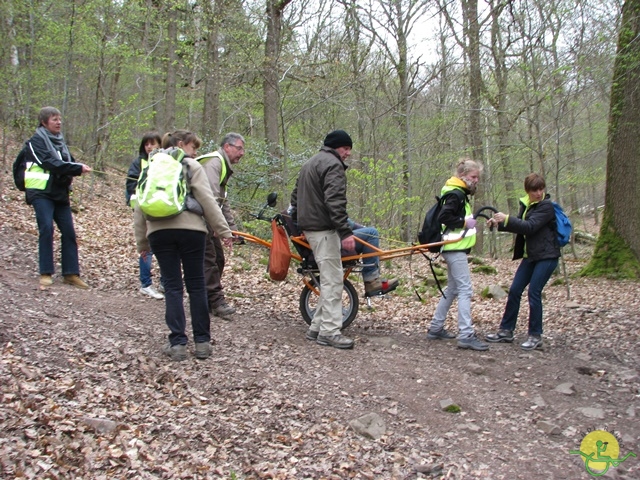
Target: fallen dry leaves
{"x": 86, "y": 393}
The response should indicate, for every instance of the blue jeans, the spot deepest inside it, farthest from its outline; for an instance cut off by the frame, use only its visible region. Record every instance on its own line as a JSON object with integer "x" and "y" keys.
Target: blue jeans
{"x": 371, "y": 269}
{"x": 48, "y": 212}
{"x": 145, "y": 270}
{"x": 458, "y": 285}
{"x": 536, "y": 274}
{"x": 181, "y": 251}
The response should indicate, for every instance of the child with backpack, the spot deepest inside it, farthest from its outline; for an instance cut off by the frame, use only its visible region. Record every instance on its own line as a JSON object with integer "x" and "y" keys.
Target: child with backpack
{"x": 178, "y": 240}
{"x": 538, "y": 246}
{"x": 150, "y": 142}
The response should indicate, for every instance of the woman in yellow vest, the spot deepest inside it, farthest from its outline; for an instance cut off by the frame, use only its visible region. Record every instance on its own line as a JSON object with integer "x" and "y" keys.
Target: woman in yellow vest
{"x": 50, "y": 168}
{"x": 457, "y": 217}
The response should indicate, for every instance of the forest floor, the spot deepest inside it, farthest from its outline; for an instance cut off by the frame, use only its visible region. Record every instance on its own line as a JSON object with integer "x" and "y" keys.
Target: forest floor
{"x": 85, "y": 391}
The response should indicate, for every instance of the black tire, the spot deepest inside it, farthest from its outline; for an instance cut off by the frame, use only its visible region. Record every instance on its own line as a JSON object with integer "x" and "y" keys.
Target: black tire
{"x": 350, "y": 304}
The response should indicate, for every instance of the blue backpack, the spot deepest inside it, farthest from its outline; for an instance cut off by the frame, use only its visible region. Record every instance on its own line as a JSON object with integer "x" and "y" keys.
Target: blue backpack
{"x": 563, "y": 225}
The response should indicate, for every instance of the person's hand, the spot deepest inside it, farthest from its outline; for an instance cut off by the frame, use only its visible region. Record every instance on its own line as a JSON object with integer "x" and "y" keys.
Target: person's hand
{"x": 492, "y": 223}
{"x": 499, "y": 217}
{"x": 349, "y": 243}
{"x": 470, "y": 223}
{"x": 238, "y": 240}
{"x": 228, "y": 242}
{"x": 86, "y": 168}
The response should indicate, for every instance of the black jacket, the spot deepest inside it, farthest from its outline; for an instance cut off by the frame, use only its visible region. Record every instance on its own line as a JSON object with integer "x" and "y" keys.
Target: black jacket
{"x": 319, "y": 199}
{"x": 61, "y": 169}
{"x": 132, "y": 177}
{"x": 537, "y": 233}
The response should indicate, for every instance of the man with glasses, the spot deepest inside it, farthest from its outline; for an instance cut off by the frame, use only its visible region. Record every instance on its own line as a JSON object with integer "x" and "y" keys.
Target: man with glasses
{"x": 217, "y": 166}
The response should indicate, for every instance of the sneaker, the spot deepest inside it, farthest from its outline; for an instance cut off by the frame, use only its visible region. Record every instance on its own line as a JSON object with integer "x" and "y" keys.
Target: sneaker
{"x": 336, "y": 341}
{"x": 311, "y": 335}
{"x": 152, "y": 292}
{"x": 203, "y": 350}
{"x": 533, "y": 342}
{"x": 501, "y": 335}
{"x": 440, "y": 335}
{"x": 76, "y": 281}
{"x": 46, "y": 280}
{"x": 379, "y": 287}
{"x": 177, "y": 353}
{"x": 223, "y": 310}
{"x": 472, "y": 343}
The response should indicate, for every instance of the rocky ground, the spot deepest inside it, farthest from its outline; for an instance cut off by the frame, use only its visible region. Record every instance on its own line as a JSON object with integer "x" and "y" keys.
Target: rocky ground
{"x": 86, "y": 393}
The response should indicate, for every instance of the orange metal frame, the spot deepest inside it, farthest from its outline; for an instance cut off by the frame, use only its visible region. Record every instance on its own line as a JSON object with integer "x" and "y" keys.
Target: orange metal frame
{"x": 377, "y": 252}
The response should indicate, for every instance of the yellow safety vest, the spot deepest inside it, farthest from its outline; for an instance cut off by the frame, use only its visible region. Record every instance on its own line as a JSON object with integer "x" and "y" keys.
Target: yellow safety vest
{"x": 469, "y": 239}
{"x": 35, "y": 177}
{"x": 223, "y": 168}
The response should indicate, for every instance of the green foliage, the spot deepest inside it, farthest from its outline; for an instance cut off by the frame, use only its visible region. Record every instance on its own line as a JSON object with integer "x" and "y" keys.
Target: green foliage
{"x": 485, "y": 293}
{"x": 612, "y": 258}
{"x": 244, "y": 266}
{"x": 104, "y": 64}
{"x": 453, "y": 408}
{"x": 424, "y": 290}
{"x": 378, "y": 195}
{"x": 485, "y": 269}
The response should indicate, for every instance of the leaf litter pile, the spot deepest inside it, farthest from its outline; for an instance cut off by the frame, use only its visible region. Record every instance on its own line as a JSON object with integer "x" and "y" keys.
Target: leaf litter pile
{"x": 85, "y": 391}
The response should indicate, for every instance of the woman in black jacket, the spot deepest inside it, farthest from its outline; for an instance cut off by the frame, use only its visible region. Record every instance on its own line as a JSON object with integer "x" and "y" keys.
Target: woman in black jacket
{"x": 150, "y": 142}
{"x": 50, "y": 170}
{"x": 537, "y": 245}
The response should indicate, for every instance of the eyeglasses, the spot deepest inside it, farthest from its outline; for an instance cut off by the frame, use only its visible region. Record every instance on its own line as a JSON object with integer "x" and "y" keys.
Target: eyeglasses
{"x": 237, "y": 147}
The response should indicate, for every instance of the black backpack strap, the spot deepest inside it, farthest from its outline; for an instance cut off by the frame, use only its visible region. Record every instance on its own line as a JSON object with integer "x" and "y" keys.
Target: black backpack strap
{"x": 433, "y": 272}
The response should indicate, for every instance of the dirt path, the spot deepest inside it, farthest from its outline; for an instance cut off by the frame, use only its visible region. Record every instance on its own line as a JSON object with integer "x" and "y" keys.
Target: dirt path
{"x": 86, "y": 393}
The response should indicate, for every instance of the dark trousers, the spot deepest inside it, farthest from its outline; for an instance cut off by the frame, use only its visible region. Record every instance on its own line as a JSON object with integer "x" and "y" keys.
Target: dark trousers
{"x": 181, "y": 253}
{"x": 48, "y": 212}
{"x": 213, "y": 268}
{"x": 536, "y": 274}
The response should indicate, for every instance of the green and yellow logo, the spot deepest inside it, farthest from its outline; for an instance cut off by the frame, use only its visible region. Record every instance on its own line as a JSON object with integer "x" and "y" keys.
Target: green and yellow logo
{"x": 600, "y": 450}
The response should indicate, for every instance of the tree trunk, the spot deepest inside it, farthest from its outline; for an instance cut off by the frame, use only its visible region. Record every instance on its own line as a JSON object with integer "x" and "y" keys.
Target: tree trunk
{"x": 172, "y": 72}
{"x": 271, "y": 91}
{"x": 617, "y": 252}
{"x": 212, "y": 87}
{"x": 472, "y": 52}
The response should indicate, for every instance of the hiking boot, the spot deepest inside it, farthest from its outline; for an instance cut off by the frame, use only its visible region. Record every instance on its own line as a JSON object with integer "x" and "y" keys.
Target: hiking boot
{"x": 203, "y": 350}
{"x": 76, "y": 281}
{"x": 311, "y": 335}
{"x": 223, "y": 310}
{"x": 46, "y": 280}
{"x": 472, "y": 343}
{"x": 152, "y": 292}
{"x": 177, "y": 353}
{"x": 501, "y": 335}
{"x": 440, "y": 335}
{"x": 336, "y": 341}
{"x": 533, "y": 342}
{"x": 379, "y": 287}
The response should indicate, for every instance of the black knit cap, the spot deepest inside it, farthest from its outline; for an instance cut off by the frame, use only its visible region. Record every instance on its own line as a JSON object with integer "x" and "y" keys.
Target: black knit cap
{"x": 338, "y": 138}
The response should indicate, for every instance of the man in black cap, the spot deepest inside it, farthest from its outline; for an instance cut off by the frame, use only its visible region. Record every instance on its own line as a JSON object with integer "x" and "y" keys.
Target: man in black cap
{"x": 319, "y": 207}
